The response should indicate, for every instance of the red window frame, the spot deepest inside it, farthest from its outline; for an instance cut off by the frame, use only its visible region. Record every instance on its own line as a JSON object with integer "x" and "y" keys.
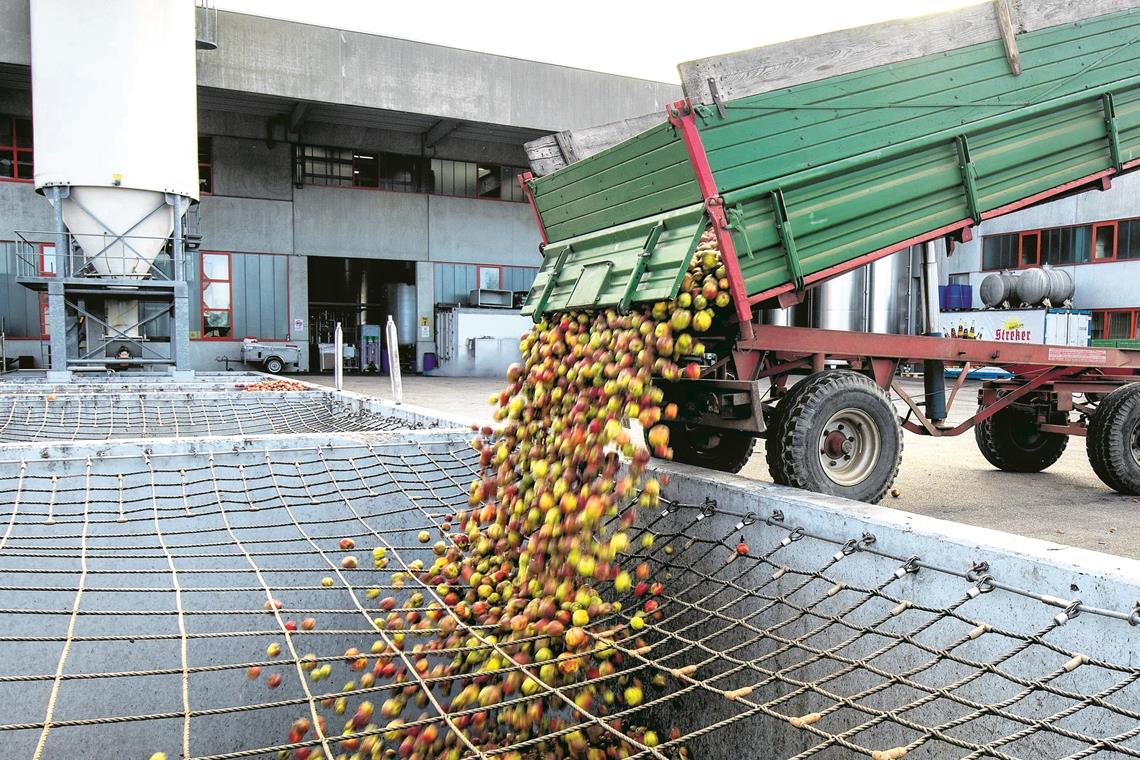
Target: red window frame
{"x": 202, "y": 308}
{"x": 16, "y": 149}
{"x": 479, "y": 275}
{"x": 1115, "y": 237}
{"x": 46, "y": 269}
{"x": 1114, "y": 224}
{"x": 1021, "y": 264}
{"x": 1106, "y": 314}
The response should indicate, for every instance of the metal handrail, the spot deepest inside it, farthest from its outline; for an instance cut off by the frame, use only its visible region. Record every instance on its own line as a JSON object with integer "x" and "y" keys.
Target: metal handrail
{"x": 32, "y": 262}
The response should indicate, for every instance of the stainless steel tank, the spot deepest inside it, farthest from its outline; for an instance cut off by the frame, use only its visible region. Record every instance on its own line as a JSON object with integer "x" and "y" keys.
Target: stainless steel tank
{"x": 888, "y": 294}
{"x": 998, "y": 288}
{"x": 1038, "y": 285}
{"x": 402, "y": 305}
{"x": 841, "y": 303}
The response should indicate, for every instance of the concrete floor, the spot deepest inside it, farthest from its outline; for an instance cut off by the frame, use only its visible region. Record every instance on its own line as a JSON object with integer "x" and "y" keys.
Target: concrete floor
{"x": 945, "y": 478}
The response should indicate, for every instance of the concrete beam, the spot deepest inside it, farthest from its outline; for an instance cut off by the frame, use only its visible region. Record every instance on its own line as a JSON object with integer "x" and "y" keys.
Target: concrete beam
{"x": 438, "y": 131}
{"x": 297, "y": 116}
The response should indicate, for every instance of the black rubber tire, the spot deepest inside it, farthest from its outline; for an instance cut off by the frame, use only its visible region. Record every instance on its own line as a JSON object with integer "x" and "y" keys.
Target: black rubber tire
{"x": 822, "y": 396}
{"x": 1010, "y": 441}
{"x": 1110, "y": 437}
{"x": 274, "y": 365}
{"x": 712, "y": 448}
{"x": 773, "y": 449}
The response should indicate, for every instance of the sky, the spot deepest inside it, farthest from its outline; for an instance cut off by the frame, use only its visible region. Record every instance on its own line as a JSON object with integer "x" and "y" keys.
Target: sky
{"x": 628, "y": 37}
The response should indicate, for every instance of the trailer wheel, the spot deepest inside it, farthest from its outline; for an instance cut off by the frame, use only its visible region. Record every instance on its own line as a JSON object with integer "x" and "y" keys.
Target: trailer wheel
{"x": 1114, "y": 439}
{"x": 773, "y": 444}
{"x": 1011, "y": 441}
{"x": 709, "y": 447}
{"x": 274, "y": 365}
{"x": 841, "y": 436}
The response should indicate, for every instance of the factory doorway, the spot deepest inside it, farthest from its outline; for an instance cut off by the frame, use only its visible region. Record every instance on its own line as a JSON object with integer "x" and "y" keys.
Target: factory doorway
{"x": 360, "y": 294}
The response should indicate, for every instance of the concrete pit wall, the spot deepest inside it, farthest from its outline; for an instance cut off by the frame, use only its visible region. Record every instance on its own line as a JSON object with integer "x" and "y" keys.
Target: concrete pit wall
{"x": 852, "y": 611}
{"x": 822, "y": 612}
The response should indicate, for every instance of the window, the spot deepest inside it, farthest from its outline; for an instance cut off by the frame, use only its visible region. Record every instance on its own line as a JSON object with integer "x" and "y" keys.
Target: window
{"x": 325, "y": 166}
{"x": 1114, "y": 324}
{"x": 1063, "y": 246}
{"x": 342, "y": 167}
{"x": 16, "y": 154}
{"x": 401, "y": 173}
{"x": 999, "y": 251}
{"x": 1128, "y": 239}
{"x": 217, "y": 314}
{"x": 490, "y": 278}
{"x": 1104, "y": 241}
{"x": 205, "y": 161}
{"x": 1030, "y": 247}
{"x": 512, "y": 190}
{"x": 452, "y": 177}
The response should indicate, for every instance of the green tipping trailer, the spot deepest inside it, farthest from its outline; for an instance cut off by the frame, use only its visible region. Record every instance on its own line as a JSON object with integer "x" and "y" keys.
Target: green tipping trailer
{"x": 812, "y": 179}
{"x": 814, "y": 157}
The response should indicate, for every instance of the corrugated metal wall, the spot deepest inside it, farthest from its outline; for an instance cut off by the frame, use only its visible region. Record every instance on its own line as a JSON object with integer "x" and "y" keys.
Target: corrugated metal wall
{"x": 258, "y": 294}
{"x": 453, "y": 282}
{"x": 20, "y": 315}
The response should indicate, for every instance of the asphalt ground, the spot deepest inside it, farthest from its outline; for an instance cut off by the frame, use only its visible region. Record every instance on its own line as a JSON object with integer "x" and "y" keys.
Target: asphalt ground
{"x": 945, "y": 478}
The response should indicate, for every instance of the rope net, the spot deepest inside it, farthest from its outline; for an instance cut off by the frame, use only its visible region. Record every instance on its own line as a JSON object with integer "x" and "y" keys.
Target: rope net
{"x": 52, "y": 417}
{"x": 235, "y": 602}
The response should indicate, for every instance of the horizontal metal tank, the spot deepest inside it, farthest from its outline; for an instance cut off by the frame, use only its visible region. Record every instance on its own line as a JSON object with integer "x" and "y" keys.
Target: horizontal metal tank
{"x": 1045, "y": 284}
{"x": 114, "y": 93}
{"x": 998, "y": 288}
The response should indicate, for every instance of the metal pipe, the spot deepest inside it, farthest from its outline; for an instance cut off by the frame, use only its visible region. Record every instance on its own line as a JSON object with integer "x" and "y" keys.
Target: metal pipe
{"x": 338, "y": 358}
{"x": 393, "y": 340}
{"x": 933, "y": 370}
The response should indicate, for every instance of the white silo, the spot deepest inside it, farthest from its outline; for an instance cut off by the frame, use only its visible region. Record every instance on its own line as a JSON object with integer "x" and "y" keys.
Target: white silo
{"x": 115, "y": 120}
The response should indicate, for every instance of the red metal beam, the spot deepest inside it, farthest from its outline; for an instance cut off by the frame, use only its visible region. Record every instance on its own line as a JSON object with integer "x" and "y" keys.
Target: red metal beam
{"x": 524, "y": 178}
{"x": 791, "y": 342}
{"x": 684, "y": 119}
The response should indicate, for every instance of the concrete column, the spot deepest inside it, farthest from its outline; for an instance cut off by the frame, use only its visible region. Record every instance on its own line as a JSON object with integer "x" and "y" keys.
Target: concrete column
{"x": 425, "y": 309}
{"x": 298, "y": 286}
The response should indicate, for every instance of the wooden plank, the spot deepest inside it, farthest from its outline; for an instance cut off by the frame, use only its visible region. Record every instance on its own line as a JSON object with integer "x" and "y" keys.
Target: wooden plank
{"x": 545, "y": 155}
{"x": 1008, "y": 31}
{"x": 551, "y": 153}
{"x": 810, "y": 59}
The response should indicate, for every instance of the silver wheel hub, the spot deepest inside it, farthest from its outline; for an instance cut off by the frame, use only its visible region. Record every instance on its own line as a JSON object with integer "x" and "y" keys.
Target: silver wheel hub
{"x": 849, "y": 446}
{"x": 1135, "y": 444}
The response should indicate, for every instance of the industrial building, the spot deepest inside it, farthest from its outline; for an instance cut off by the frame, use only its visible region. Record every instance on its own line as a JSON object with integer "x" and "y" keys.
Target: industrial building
{"x": 342, "y": 177}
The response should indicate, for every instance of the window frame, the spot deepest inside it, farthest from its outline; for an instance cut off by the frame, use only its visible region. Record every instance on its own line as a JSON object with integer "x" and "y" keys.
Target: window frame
{"x": 1040, "y": 233}
{"x": 14, "y": 150}
{"x": 1115, "y": 236}
{"x": 479, "y": 275}
{"x": 423, "y": 171}
{"x": 203, "y": 282}
{"x": 1020, "y": 248}
{"x": 1106, "y": 315}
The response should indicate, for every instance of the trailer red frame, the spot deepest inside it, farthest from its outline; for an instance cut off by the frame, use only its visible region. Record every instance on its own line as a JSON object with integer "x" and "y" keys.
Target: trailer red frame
{"x": 1062, "y": 372}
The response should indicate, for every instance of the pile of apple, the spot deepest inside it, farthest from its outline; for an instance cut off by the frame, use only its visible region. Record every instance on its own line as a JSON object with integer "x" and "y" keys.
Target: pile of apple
{"x": 525, "y": 621}
{"x": 272, "y": 386}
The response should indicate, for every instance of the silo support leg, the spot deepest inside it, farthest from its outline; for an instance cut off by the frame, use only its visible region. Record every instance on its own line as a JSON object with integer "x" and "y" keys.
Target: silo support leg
{"x": 57, "y": 332}
{"x": 180, "y": 334}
